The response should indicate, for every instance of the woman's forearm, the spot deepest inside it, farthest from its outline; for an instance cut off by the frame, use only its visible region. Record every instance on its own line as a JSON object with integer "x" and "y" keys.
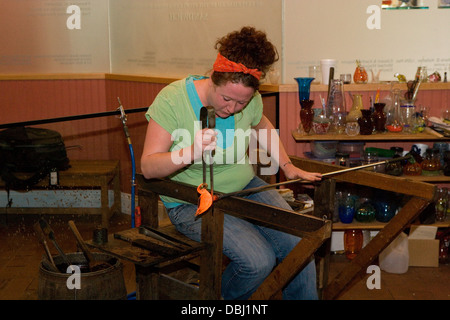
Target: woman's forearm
{"x": 163, "y": 164}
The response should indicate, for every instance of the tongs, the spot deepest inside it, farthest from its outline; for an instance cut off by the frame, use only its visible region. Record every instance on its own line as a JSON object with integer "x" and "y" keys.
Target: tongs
{"x": 158, "y": 235}
{"x": 205, "y": 200}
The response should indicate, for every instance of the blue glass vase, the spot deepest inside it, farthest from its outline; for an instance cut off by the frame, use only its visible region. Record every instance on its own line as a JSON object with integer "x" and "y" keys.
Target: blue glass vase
{"x": 386, "y": 206}
{"x": 306, "y": 113}
{"x": 346, "y": 207}
{"x": 304, "y": 88}
{"x": 385, "y": 211}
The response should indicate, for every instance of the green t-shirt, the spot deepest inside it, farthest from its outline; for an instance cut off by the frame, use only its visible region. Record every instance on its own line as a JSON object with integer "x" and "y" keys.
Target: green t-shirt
{"x": 177, "y": 112}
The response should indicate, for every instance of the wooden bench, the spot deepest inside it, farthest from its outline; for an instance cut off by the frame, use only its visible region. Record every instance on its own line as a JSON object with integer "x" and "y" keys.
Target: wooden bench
{"x": 83, "y": 174}
{"x": 152, "y": 278}
{"x": 315, "y": 232}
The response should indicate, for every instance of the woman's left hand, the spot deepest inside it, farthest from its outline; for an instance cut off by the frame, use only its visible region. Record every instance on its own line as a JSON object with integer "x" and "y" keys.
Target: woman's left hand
{"x": 292, "y": 172}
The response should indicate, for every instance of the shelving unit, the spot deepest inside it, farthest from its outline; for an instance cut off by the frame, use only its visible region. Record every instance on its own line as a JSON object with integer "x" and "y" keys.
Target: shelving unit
{"x": 427, "y": 135}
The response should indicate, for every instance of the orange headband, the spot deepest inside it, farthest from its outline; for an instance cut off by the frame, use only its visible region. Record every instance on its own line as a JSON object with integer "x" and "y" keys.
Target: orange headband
{"x": 222, "y": 64}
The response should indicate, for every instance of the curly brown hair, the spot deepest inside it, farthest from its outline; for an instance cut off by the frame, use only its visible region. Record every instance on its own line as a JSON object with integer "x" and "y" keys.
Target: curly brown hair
{"x": 249, "y": 47}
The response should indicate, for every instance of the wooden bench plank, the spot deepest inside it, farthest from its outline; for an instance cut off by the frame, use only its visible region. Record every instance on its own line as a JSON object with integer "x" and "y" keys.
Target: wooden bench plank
{"x": 381, "y": 181}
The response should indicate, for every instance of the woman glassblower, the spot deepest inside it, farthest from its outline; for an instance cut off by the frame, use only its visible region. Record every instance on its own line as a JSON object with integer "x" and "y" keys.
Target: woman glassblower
{"x": 243, "y": 59}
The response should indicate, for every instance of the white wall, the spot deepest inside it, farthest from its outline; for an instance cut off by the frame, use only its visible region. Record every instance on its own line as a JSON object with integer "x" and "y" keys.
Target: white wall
{"x": 337, "y": 29}
{"x": 176, "y": 38}
{"x": 40, "y": 36}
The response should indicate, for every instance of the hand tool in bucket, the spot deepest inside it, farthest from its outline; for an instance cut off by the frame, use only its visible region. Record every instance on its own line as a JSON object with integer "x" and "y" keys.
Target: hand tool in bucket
{"x": 51, "y": 235}
{"x": 205, "y": 201}
{"x": 43, "y": 242}
{"x": 325, "y": 175}
{"x": 91, "y": 263}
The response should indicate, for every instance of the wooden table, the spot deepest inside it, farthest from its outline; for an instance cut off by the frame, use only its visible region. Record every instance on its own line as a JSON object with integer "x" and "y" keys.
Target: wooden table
{"x": 101, "y": 174}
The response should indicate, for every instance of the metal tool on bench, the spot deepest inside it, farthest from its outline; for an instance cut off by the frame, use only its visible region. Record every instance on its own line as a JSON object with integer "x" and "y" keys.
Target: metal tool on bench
{"x": 149, "y": 245}
{"x": 205, "y": 201}
{"x": 158, "y": 235}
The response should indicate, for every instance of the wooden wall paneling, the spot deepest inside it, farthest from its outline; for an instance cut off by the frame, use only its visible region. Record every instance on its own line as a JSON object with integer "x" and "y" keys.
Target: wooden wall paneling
{"x": 289, "y": 120}
{"x": 103, "y": 138}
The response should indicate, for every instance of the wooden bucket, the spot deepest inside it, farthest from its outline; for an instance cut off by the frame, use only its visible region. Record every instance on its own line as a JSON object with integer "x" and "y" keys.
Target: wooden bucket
{"x": 106, "y": 283}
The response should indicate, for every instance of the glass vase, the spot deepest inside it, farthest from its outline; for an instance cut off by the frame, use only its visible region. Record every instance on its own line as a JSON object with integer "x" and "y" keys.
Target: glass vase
{"x": 393, "y": 119}
{"x": 412, "y": 167}
{"x": 386, "y": 205}
{"x": 407, "y": 115}
{"x": 306, "y": 112}
{"x": 306, "y": 115}
{"x": 365, "y": 212}
{"x": 346, "y": 208}
{"x": 385, "y": 210}
{"x": 360, "y": 75}
{"x": 304, "y": 88}
{"x": 379, "y": 117}
{"x": 353, "y": 242}
{"x": 431, "y": 165}
{"x": 365, "y": 122}
{"x": 335, "y": 108}
{"x": 355, "y": 111}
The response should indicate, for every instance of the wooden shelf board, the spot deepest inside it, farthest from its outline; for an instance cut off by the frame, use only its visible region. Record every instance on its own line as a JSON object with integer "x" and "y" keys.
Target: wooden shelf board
{"x": 339, "y": 226}
{"x": 427, "y": 134}
{"x": 424, "y": 178}
{"x": 384, "y": 86}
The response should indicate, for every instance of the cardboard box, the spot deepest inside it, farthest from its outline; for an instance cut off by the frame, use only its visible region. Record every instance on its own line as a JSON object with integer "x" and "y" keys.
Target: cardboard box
{"x": 423, "y": 247}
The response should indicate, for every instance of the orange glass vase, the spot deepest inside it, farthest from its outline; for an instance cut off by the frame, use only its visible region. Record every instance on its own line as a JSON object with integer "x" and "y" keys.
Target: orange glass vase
{"x": 360, "y": 75}
{"x": 353, "y": 242}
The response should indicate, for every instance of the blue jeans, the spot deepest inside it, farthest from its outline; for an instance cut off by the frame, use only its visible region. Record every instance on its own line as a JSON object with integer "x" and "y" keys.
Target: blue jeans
{"x": 253, "y": 250}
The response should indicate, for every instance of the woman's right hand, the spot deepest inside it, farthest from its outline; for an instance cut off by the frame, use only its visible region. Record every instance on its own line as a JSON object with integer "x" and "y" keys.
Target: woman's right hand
{"x": 204, "y": 140}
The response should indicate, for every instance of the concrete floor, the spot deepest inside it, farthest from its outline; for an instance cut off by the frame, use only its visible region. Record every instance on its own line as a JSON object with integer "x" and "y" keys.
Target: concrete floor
{"x": 21, "y": 254}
